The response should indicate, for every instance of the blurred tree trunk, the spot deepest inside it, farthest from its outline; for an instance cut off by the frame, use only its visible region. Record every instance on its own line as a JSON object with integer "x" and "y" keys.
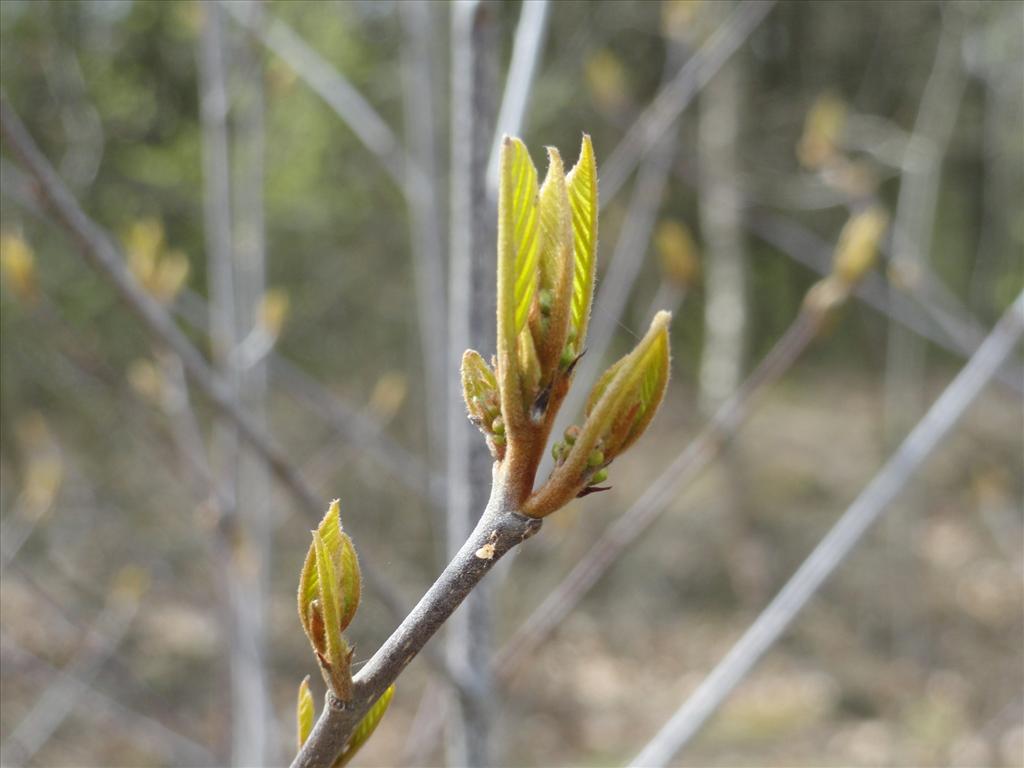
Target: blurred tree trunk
{"x": 235, "y": 265}
{"x": 471, "y": 323}
{"x": 423, "y": 199}
{"x": 906, "y": 353}
{"x": 725, "y": 302}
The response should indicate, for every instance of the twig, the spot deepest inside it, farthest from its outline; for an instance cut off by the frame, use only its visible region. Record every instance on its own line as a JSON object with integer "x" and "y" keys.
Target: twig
{"x": 674, "y": 97}
{"x": 332, "y": 87}
{"x": 61, "y": 696}
{"x": 527, "y": 47}
{"x": 808, "y": 249}
{"x": 839, "y": 542}
{"x": 500, "y": 528}
{"x": 146, "y": 730}
{"x": 644, "y": 511}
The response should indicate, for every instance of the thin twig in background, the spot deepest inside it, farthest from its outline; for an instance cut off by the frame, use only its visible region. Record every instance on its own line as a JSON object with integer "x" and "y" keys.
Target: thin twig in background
{"x": 628, "y": 527}
{"x": 249, "y": 698}
{"x": 331, "y": 86}
{"x": 356, "y": 427}
{"x": 113, "y": 716}
{"x": 527, "y": 47}
{"x": 61, "y": 697}
{"x": 101, "y": 253}
{"x": 833, "y": 549}
{"x": 807, "y": 248}
{"x": 423, "y": 195}
{"x": 659, "y": 116}
{"x": 471, "y": 324}
{"x": 912, "y": 235}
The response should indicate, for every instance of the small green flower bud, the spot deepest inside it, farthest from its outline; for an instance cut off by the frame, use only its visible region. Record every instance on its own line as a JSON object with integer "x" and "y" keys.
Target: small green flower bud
{"x": 544, "y": 299}
{"x": 498, "y": 440}
{"x": 568, "y": 355}
{"x": 600, "y": 476}
{"x": 595, "y": 459}
{"x": 558, "y": 451}
{"x": 498, "y": 426}
{"x": 571, "y": 434}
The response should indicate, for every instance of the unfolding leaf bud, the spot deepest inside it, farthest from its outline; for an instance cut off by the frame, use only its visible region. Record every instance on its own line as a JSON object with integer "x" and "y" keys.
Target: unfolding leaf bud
{"x": 304, "y": 712}
{"x": 329, "y": 589}
{"x": 544, "y": 301}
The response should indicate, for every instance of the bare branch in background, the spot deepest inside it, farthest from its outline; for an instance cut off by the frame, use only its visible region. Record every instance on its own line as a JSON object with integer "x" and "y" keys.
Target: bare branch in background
{"x": 807, "y": 248}
{"x": 527, "y": 47}
{"x": 61, "y": 697}
{"x": 471, "y": 323}
{"x": 658, "y": 118}
{"x": 332, "y": 87}
{"x": 876, "y": 497}
{"x": 423, "y": 196}
{"x": 101, "y": 253}
{"x": 114, "y": 716}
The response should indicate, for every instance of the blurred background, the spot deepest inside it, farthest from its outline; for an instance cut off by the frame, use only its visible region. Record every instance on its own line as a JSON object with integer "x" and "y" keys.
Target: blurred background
{"x": 302, "y": 190}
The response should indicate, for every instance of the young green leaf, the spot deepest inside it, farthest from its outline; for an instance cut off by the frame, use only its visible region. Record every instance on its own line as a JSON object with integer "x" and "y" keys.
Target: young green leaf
{"x": 366, "y": 727}
{"x": 304, "y": 712}
{"x": 518, "y": 248}
{"x": 620, "y": 408}
{"x": 582, "y": 184}
{"x": 479, "y": 388}
{"x": 329, "y": 590}
{"x": 556, "y": 266}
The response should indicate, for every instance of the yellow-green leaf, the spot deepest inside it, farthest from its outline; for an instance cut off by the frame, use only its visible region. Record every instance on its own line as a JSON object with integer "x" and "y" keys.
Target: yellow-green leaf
{"x": 518, "y": 247}
{"x": 518, "y": 225}
{"x": 582, "y": 185}
{"x": 620, "y": 408}
{"x": 556, "y": 263}
{"x": 479, "y": 388}
{"x": 330, "y": 602}
{"x": 304, "y": 712}
{"x": 346, "y": 566}
{"x": 366, "y": 727}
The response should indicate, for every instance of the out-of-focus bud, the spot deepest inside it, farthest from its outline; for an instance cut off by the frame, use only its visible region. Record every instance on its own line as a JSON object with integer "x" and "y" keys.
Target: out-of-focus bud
{"x": 329, "y": 590}
{"x": 823, "y": 129}
{"x": 146, "y": 379}
{"x": 169, "y": 276}
{"x": 607, "y": 81}
{"x": 388, "y": 395}
{"x": 857, "y": 250}
{"x": 678, "y": 255}
{"x": 18, "y": 266}
{"x": 304, "y": 712}
{"x": 273, "y": 310}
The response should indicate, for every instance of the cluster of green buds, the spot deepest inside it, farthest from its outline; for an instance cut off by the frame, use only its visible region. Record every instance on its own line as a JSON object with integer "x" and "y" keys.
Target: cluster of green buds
{"x": 547, "y": 247}
{"x": 329, "y": 589}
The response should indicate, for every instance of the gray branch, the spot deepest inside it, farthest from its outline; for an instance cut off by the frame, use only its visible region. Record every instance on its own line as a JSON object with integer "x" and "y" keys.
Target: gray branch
{"x": 839, "y": 542}
{"x": 500, "y": 528}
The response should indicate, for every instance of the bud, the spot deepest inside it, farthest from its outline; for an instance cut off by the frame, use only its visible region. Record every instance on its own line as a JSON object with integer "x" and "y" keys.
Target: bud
{"x": 857, "y": 249}
{"x": 621, "y": 406}
{"x": 304, "y": 712}
{"x": 329, "y": 589}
